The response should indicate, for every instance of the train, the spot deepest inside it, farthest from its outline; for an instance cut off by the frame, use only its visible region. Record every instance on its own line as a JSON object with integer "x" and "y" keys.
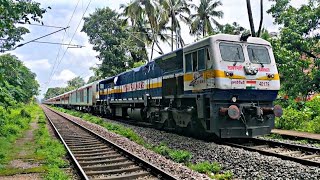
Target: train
{"x": 223, "y": 86}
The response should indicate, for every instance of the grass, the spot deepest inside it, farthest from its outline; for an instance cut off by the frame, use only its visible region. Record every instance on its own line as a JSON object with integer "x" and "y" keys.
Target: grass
{"x": 44, "y": 150}
{"x": 179, "y": 156}
{"x": 50, "y": 150}
{"x": 13, "y": 122}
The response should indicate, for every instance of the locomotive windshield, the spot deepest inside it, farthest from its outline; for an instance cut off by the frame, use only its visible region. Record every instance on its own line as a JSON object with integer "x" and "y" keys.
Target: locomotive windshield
{"x": 231, "y": 52}
{"x": 258, "y": 54}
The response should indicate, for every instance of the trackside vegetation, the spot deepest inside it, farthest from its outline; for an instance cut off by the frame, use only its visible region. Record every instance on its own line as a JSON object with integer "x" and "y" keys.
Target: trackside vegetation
{"x": 45, "y": 150}
{"x": 49, "y": 150}
{"x": 18, "y": 109}
{"x": 180, "y": 156}
{"x": 300, "y": 116}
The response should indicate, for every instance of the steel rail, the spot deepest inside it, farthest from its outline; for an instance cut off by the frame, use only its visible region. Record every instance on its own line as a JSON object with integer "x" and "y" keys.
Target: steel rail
{"x": 159, "y": 173}
{"x": 293, "y": 137}
{"x": 273, "y": 144}
{"x": 73, "y": 158}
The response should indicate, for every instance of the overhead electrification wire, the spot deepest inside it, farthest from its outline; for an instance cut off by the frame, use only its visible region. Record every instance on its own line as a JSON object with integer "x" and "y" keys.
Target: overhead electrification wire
{"x": 57, "y": 57}
{"x": 74, "y": 33}
{"x": 63, "y": 44}
{"x": 41, "y": 25}
{"x": 70, "y": 41}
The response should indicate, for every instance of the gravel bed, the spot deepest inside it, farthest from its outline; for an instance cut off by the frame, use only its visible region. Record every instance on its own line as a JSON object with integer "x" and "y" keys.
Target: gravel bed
{"x": 297, "y": 142}
{"x": 243, "y": 164}
{"x": 178, "y": 170}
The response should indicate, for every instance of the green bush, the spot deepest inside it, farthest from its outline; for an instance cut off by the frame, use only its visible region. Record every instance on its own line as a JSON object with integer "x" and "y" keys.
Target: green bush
{"x": 10, "y": 130}
{"x": 162, "y": 149}
{"x": 180, "y": 156}
{"x": 56, "y": 173}
{"x": 314, "y": 106}
{"x": 206, "y": 167}
{"x": 301, "y": 116}
{"x": 292, "y": 119}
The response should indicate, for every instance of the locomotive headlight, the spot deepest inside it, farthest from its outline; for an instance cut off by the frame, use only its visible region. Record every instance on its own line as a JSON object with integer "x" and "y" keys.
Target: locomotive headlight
{"x": 270, "y": 75}
{"x": 234, "y": 99}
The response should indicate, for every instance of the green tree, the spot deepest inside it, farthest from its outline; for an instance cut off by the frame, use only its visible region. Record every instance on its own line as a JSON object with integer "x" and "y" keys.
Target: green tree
{"x": 149, "y": 20}
{"x": 233, "y": 28}
{"x": 52, "y": 92}
{"x": 17, "y": 82}
{"x": 93, "y": 79}
{"x": 177, "y": 10}
{"x": 13, "y": 12}
{"x": 110, "y": 39}
{"x": 297, "y": 47}
{"x": 204, "y": 17}
{"x": 75, "y": 83}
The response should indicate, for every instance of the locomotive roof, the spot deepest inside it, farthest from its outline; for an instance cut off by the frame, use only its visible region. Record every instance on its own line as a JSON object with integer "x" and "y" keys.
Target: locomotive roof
{"x": 225, "y": 37}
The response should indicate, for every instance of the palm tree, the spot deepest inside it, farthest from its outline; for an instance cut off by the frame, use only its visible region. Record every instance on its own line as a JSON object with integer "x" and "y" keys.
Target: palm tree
{"x": 148, "y": 19}
{"x": 176, "y": 10}
{"x": 203, "y": 19}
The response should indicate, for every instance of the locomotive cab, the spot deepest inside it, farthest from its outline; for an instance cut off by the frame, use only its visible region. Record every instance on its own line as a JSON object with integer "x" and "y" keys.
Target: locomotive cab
{"x": 236, "y": 86}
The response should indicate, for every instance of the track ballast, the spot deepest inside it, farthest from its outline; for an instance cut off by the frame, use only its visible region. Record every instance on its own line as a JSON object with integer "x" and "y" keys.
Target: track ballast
{"x": 97, "y": 158}
{"x": 302, "y": 154}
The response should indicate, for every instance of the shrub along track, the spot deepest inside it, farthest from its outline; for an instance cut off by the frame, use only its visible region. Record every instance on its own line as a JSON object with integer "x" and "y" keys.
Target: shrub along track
{"x": 96, "y": 157}
{"x": 298, "y": 153}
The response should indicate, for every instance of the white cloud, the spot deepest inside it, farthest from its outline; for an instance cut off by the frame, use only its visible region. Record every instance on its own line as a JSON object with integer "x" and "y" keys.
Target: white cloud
{"x": 38, "y": 65}
{"x": 65, "y": 75}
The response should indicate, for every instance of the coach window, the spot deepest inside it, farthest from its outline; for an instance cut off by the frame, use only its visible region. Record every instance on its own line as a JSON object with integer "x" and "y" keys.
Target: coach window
{"x": 231, "y": 52}
{"x": 201, "y": 60}
{"x": 188, "y": 63}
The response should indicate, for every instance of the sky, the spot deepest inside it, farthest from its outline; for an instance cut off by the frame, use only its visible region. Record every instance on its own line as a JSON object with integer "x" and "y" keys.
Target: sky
{"x": 55, "y": 64}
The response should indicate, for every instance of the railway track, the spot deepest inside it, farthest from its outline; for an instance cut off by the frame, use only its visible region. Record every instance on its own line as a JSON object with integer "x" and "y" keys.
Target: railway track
{"x": 302, "y": 154}
{"x": 97, "y": 158}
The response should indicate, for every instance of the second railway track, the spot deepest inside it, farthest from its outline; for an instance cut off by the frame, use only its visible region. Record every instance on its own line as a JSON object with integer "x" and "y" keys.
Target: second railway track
{"x": 302, "y": 154}
{"x": 97, "y": 158}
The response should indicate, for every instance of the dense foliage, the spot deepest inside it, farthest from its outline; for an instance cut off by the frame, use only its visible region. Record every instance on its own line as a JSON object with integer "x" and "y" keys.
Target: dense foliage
{"x": 71, "y": 85}
{"x": 17, "y": 82}
{"x": 117, "y": 49}
{"x": 297, "y": 48}
{"x": 13, "y": 12}
{"x": 301, "y": 116}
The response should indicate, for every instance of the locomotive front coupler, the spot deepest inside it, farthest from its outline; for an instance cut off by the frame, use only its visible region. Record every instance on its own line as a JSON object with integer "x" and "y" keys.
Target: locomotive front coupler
{"x": 252, "y": 110}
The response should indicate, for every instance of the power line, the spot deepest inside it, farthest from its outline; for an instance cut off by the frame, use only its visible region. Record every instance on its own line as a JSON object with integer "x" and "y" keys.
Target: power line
{"x": 63, "y": 44}
{"x": 56, "y": 60}
{"x": 41, "y": 37}
{"x": 41, "y": 25}
{"x": 71, "y": 39}
{"x": 22, "y": 44}
{"x": 74, "y": 33}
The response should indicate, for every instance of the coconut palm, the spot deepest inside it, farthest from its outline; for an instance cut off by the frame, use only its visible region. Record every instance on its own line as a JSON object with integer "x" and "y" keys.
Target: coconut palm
{"x": 148, "y": 19}
{"x": 176, "y": 10}
{"x": 201, "y": 22}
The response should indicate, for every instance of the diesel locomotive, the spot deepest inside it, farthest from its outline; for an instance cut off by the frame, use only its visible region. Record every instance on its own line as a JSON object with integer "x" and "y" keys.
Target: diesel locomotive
{"x": 222, "y": 86}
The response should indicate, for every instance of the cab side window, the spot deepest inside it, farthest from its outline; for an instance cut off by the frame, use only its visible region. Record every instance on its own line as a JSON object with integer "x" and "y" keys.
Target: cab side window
{"x": 194, "y": 61}
{"x": 188, "y": 63}
{"x": 201, "y": 60}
